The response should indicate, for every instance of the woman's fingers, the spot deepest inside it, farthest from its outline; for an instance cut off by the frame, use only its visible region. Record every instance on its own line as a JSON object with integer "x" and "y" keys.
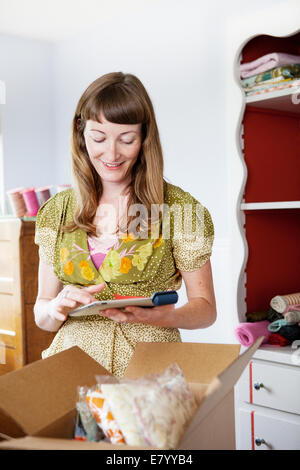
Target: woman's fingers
{"x": 75, "y": 294}
{"x": 59, "y": 316}
{"x": 96, "y": 288}
{"x": 114, "y": 314}
{"x": 65, "y": 302}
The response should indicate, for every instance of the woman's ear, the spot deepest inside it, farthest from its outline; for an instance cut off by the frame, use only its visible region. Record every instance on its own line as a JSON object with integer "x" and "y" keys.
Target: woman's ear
{"x": 79, "y": 124}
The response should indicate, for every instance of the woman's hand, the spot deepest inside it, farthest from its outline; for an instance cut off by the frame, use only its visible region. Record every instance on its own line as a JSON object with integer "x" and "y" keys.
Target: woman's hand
{"x": 155, "y": 316}
{"x": 71, "y": 297}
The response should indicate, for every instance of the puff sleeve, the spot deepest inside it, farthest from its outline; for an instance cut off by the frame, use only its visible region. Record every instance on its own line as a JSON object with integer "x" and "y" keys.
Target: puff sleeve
{"x": 192, "y": 232}
{"x": 46, "y": 229}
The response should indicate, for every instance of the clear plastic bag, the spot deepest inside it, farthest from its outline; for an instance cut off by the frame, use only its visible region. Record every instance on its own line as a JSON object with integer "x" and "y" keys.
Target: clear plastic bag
{"x": 86, "y": 428}
{"x": 101, "y": 411}
{"x": 153, "y": 410}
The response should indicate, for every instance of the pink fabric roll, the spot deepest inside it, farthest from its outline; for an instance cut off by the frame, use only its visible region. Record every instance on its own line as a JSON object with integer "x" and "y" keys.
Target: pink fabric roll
{"x": 247, "y": 333}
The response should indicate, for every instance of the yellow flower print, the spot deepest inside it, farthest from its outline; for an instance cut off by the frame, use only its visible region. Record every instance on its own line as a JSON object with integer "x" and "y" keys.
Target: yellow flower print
{"x": 145, "y": 250}
{"x": 128, "y": 238}
{"x": 111, "y": 265}
{"x": 157, "y": 242}
{"x": 84, "y": 264}
{"x": 87, "y": 273}
{"x": 125, "y": 265}
{"x": 64, "y": 253}
{"x": 139, "y": 262}
{"x": 68, "y": 268}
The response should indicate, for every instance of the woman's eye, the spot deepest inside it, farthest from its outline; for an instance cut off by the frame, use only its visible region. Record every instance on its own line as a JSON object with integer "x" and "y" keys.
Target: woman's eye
{"x": 123, "y": 142}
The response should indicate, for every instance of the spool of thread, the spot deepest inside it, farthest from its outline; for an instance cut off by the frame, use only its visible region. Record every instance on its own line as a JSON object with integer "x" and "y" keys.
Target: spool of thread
{"x": 43, "y": 193}
{"x": 31, "y": 201}
{"x": 62, "y": 187}
{"x": 16, "y": 201}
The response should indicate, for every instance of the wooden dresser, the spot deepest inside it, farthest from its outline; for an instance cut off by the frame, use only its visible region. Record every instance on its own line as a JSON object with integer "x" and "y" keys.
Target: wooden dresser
{"x": 21, "y": 341}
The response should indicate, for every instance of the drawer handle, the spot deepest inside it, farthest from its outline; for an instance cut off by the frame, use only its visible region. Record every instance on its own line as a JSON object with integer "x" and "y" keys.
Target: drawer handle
{"x": 258, "y": 386}
{"x": 259, "y": 442}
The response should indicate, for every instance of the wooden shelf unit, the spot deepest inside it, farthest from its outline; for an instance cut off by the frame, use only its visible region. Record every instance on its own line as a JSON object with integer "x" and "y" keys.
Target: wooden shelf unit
{"x": 21, "y": 341}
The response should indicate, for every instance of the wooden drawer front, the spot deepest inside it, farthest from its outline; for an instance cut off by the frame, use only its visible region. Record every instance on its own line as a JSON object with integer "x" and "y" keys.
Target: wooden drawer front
{"x": 7, "y": 358}
{"x": 10, "y": 229}
{"x": 8, "y": 338}
{"x": 281, "y": 385}
{"x": 267, "y": 430}
{"x": 7, "y": 259}
{"x": 7, "y": 312}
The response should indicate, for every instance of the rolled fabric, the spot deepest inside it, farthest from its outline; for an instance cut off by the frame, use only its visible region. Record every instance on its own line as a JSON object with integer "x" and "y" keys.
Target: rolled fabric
{"x": 273, "y": 315}
{"x": 276, "y": 325}
{"x": 277, "y": 339}
{"x": 292, "y": 317}
{"x": 281, "y": 302}
{"x": 257, "y": 316}
{"x": 248, "y": 333}
{"x": 290, "y": 332}
{"x": 291, "y": 308}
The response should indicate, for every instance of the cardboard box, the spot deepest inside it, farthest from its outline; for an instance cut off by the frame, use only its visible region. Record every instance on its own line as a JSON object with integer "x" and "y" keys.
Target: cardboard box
{"x": 37, "y": 402}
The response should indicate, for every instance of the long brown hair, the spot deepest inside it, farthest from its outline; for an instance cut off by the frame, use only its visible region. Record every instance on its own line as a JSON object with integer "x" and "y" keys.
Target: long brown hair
{"x": 122, "y": 99}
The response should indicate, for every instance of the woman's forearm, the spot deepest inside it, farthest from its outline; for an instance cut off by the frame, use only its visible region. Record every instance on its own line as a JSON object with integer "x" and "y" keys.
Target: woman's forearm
{"x": 196, "y": 313}
{"x": 42, "y": 318}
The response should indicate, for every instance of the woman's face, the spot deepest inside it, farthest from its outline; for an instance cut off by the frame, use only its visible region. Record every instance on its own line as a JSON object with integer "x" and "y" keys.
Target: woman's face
{"x": 113, "y": 148}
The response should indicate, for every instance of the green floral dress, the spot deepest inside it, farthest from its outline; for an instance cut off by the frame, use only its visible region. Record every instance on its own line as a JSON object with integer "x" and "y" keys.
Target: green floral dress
{"x": 132, "y": 267}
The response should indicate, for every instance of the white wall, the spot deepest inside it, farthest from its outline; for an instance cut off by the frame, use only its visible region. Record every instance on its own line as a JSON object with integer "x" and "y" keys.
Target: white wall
{"x": 26, "y": 67}
{"x": 180, "y": 62}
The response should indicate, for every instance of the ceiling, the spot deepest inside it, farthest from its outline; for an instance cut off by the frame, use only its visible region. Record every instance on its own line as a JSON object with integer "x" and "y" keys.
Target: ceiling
{"x": 55, "y": 20}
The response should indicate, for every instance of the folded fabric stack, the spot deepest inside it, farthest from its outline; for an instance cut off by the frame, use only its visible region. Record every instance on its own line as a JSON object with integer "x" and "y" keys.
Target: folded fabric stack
{"x": 279, "y": 325}
{"x": 271, "y": 72}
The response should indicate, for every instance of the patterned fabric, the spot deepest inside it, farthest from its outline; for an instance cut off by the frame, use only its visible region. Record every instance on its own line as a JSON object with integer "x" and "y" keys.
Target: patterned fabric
{"x": 272, "y": 76}
{"x": 131, "y": 267}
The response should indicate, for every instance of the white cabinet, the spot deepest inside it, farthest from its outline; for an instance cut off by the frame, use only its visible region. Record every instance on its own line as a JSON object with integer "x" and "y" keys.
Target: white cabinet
{"x": 268, "y": 401}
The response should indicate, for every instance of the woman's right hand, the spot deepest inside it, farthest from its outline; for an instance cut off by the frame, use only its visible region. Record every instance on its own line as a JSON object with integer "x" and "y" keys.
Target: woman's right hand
{"x": 71, "y": 297}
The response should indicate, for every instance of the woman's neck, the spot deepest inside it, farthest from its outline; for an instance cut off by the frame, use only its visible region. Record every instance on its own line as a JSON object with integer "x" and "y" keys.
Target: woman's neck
{"x": 113, "y": 191}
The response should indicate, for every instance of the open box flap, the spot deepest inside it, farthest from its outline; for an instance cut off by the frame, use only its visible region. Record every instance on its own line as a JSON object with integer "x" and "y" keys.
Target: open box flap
{"x": 34, "y": 396}
{"x": 200, "y": 362}
{"x": 220, "y": 387}
{"x": 45, "y": 443}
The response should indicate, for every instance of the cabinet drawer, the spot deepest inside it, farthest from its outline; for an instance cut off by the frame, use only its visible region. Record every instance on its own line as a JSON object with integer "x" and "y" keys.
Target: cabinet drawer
{"x": 272, "y": 385}
{"x": 7, "y": 358}
{"x": 263, "y": 429}
{"x": 8, "y": 312}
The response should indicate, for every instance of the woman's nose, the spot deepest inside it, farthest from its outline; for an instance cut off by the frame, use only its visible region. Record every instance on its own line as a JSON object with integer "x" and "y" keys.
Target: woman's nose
{"x": 111, "y": 152}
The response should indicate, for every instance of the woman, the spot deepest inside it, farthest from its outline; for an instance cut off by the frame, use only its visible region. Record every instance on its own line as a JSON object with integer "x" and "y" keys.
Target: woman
{"x": 88, "y": 253}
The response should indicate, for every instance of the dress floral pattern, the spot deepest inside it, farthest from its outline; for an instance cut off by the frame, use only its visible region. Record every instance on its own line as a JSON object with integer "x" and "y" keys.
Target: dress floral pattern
{"x": 131, "y": 267}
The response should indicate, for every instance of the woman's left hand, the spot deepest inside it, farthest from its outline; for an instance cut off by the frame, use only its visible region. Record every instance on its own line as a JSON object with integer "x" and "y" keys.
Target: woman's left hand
{"x": 155, "y": 316}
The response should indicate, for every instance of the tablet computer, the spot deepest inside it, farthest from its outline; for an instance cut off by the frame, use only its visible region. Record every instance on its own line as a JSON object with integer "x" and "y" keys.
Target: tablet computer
{"x": 158, "y": 298}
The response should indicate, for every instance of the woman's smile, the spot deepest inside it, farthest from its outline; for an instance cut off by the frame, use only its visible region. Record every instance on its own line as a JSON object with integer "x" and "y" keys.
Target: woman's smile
{"x": 112, "y": 166}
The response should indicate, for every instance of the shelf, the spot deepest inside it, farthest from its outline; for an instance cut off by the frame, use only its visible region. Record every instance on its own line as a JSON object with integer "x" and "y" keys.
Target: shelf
{"x": 269, "y": 352}
{"x": 270, "y": 205}
{"x": 281, "y": 100}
